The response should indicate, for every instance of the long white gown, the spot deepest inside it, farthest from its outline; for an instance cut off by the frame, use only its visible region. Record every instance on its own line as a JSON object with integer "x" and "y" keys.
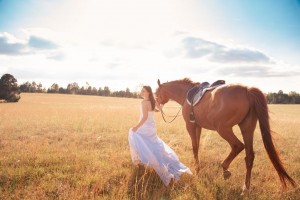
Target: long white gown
{"x": 148, "y": 149}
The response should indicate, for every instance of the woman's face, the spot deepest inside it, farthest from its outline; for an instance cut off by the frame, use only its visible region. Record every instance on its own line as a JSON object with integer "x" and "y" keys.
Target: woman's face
{"x": 144, "y": 93}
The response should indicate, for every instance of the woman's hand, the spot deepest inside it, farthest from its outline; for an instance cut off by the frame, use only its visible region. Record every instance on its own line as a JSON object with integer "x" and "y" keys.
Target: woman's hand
{"x": 134, "y": 129}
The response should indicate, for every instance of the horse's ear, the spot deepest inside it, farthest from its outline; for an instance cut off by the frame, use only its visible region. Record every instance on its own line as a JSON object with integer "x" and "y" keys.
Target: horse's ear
{"x": 158, "y": 82}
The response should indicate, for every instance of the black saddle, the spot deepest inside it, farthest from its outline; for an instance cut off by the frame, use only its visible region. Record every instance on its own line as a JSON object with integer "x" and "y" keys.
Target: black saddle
{"x": 195, "y": 94}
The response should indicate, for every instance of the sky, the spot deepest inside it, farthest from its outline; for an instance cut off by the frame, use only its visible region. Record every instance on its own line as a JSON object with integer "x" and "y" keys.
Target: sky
{"x": 126, "y": 44}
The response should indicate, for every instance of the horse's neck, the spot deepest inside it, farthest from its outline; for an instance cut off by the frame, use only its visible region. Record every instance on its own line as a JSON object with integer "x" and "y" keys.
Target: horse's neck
{"x": 178, "y": 93}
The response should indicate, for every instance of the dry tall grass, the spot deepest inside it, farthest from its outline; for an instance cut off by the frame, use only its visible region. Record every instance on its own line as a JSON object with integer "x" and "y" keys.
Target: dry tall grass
{"x": 76, "y": 147}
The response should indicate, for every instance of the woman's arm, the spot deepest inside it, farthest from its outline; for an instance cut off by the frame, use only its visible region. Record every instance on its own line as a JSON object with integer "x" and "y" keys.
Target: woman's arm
{"x": 145, "y": 109}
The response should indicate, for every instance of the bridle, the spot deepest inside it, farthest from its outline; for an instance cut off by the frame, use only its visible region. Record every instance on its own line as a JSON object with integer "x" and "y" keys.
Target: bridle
{"x": 164, "y": 115}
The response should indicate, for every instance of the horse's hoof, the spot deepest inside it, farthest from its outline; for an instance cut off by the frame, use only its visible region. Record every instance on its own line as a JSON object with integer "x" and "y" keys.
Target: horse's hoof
{"x": 245, "y": 191}
{"x": 226, "y": 174}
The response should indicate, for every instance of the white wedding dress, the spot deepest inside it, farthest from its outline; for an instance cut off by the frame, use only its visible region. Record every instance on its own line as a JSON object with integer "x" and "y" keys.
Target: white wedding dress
{"x": 148, "y": 149}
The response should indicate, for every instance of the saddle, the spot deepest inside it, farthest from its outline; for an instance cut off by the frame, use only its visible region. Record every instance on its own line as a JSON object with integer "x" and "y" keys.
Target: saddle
{"x": 195, "y": 94}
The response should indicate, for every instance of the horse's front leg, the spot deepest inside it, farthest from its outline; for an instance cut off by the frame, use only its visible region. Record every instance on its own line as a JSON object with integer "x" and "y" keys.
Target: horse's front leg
{"x": 195, "y": 133}
{"x": 198, "y": 135}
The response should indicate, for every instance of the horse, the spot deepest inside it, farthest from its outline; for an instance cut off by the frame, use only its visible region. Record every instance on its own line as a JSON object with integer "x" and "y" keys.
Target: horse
{"x": 220, "y": 109}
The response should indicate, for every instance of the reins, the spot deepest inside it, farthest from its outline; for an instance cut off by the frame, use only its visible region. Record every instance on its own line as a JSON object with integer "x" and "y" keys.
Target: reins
{"x": 163, "y": 114}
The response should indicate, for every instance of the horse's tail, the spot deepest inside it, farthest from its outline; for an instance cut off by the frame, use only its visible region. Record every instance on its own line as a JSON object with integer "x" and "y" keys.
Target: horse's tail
{"x": 258, "y": 103}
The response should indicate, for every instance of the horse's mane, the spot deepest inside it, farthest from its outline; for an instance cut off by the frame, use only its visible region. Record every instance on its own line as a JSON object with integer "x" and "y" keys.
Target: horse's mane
{"x": 186, "y": 81}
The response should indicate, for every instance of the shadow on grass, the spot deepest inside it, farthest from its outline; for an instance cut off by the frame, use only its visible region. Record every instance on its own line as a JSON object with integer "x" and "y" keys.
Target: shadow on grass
{"x": 144, "y": 183}
{"x": 210, "y": 179}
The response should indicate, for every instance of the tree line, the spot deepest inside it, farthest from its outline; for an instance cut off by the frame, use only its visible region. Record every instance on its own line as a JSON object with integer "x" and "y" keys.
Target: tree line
{"x": 74, "y": 88}
{"x": 10, "y": 91}
{"x": 282, "y": 98}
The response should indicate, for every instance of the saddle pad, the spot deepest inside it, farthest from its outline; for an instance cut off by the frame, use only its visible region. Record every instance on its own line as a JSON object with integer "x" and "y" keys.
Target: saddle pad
{"x": 195, "y": 94}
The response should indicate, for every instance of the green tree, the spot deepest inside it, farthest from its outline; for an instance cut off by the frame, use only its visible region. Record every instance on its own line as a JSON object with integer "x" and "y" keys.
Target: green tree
{"x": 33, "y": 87}
{"x": 294, "y": 97}
{"x": 73, "y": 88}
{"x": 40, "y": 88}
{"x": 9, "y": 89}
{"x": 25, "y": 87}
{"x": 54, "y": 88}
{"x": 106, "y": 91}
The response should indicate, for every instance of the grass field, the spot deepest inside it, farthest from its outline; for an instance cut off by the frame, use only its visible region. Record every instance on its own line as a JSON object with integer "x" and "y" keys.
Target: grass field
{"x": 75, "y": 147}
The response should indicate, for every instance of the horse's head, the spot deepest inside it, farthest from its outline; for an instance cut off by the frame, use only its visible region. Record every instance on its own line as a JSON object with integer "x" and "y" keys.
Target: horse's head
{"x": 161, "y": 94}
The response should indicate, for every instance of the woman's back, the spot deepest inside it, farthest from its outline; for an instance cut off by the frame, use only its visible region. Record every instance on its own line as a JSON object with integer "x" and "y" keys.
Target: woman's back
{"x": 149, "y": 126}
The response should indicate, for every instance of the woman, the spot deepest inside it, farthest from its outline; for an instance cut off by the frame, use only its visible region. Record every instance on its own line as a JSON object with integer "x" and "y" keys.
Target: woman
{"x": 148, "y": 149}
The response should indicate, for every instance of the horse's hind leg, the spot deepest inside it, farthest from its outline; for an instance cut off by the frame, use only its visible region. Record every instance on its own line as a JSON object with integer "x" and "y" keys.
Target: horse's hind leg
{"x": 247, "y": 128}
{"x": 236, "y": 147}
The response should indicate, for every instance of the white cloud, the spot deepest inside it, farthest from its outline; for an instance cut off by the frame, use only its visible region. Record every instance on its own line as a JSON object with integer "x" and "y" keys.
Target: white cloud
{"x": 9, "y": 45}
{"x": 196, "y": 47}
{"x": 57, "y": 55}
{"x": 41, "y": 43}
{"x": 255, "y": 71}
{"x": 239, "y": 55}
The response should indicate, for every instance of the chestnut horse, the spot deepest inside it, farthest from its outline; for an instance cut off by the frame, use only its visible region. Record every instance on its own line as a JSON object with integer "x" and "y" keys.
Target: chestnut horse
{"x": 220, "y": 109}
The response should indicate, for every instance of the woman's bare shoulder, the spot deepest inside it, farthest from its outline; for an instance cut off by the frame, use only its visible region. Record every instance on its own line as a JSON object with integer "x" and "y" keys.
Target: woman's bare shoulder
{"x": 146, "y": 103}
